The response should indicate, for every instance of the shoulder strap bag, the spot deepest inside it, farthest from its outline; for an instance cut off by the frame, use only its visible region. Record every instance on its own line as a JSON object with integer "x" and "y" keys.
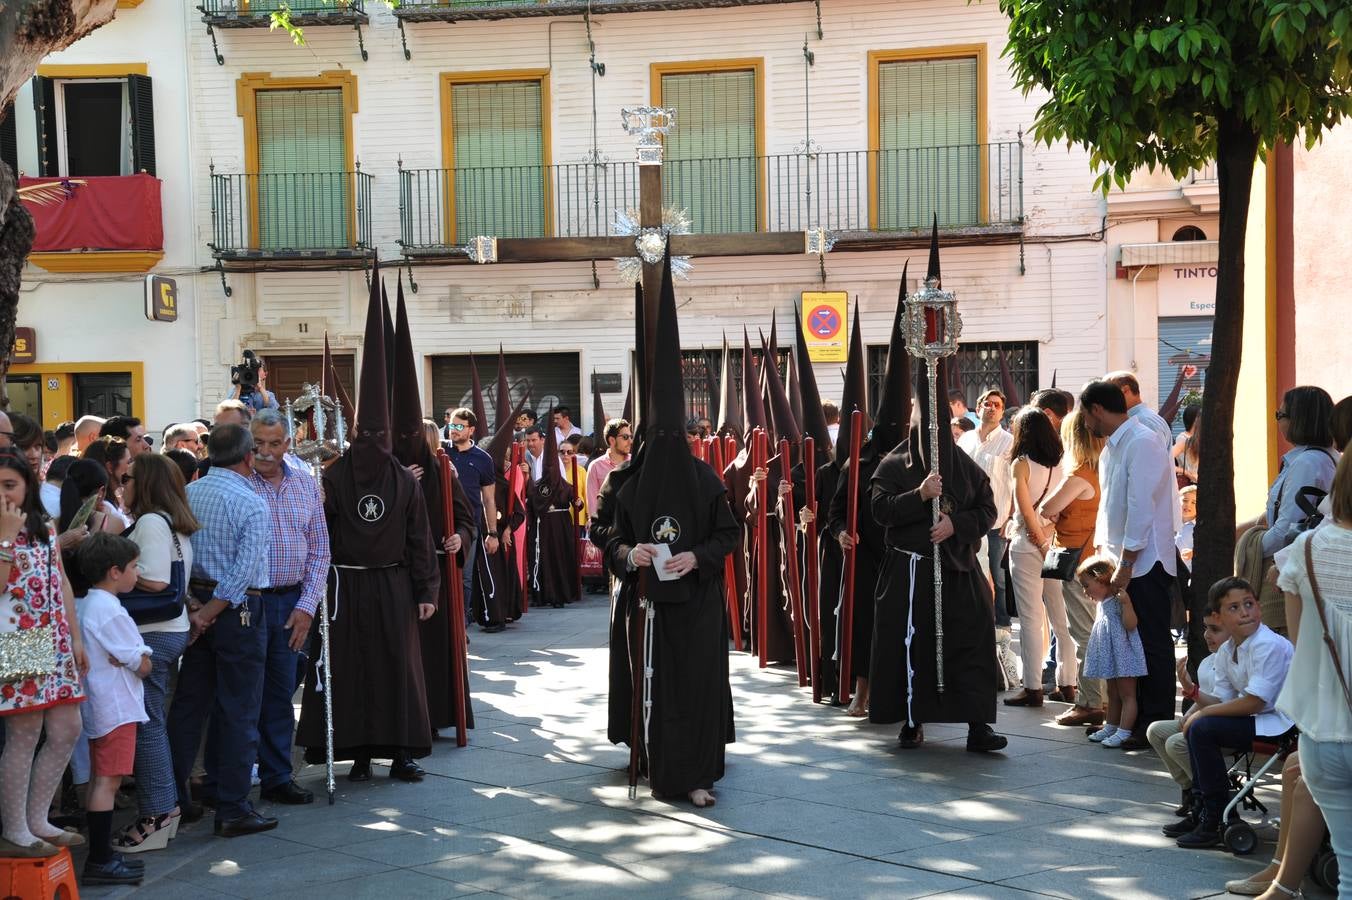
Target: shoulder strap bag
{"x": 149, "y": 607}
{"x": 1323, "y": 620}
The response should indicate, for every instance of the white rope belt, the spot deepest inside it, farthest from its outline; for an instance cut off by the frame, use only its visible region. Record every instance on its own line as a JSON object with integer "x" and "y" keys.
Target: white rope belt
{"x": 912, "y": 562}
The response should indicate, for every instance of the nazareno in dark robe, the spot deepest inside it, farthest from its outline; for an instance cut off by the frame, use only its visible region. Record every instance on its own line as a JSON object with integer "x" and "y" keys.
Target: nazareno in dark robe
{"x": 435, "y": 633}
{"x": 829, "y": 563}
{"x": 691, "y": 720}
{"x": 779, "y": 626}
{"x": 497, "y": 589}
{"x": 553, "y": 567}
{"x": 867, "y": 559}
{"x": 905, "y": 599}
{"x": 384, "y": 566}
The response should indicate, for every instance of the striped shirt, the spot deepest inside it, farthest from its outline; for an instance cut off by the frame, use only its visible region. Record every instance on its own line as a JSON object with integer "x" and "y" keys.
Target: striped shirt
{"x": 233, "y": 544}
{"x": 300, "y": 534}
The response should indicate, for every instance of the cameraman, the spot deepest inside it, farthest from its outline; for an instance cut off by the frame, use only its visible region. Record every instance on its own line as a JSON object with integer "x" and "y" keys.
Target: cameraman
{"x": 250, "y": 380}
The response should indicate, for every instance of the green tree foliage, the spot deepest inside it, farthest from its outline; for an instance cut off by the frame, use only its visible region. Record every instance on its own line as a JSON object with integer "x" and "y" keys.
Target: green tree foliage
{"x": 1174, "y": 84}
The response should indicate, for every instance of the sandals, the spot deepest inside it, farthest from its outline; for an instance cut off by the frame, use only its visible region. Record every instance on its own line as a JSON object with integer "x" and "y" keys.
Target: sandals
{"x": 147, "y": 833}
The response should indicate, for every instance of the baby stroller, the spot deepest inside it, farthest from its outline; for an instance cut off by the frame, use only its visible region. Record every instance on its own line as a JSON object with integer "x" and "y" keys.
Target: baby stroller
{"x": 1239, "y": 836}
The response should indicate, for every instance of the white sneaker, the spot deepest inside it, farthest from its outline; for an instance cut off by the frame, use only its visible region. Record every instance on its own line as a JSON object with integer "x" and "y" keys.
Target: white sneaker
{"x": 1116, "y": 739}
{"x": 1103, "y": 734}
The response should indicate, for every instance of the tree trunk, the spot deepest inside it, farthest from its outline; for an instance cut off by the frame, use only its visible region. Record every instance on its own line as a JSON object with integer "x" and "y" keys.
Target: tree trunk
{"x": 1214, "y": 539}
{"x": 16, "y": 238}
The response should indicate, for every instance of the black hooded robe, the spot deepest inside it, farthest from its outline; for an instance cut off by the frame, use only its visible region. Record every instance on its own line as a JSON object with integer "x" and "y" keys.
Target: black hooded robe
{"x": 904, "y": 633}
{"x": 867, "y": 559}
{"x": 384, "y": 568}
{"x": 553, "y": 563}
{"x": 691, "y": 720}
{"x": 497, "y": 590}
{"x": 779, "y": 645}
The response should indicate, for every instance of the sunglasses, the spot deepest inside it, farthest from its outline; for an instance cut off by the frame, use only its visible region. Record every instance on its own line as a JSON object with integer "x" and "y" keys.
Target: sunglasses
{"x": 567, "y": 453}
{"x": 455, "y": 426}
{"x": 624, "y": 437}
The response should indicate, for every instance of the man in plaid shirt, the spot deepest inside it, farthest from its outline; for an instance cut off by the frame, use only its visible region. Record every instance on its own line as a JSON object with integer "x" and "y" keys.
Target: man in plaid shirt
{"x": 297, "y": 568}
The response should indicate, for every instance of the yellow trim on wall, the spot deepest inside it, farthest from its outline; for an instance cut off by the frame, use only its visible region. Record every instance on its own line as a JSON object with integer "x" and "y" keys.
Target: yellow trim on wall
{"x": 97, "y": 260}
{"x": 246, "y": 107}
{"x": 93, "y": 70}
{"x": 59, "y": 405}
{"x": 877, "y": 58}
{"x": 754, "y": 64}
{"x": 129, "y": 4}
{"x": 448, "y": 81}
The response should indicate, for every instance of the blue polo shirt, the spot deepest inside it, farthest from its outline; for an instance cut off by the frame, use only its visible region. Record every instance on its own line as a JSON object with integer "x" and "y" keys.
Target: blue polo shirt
{"x": 476, "y": 470}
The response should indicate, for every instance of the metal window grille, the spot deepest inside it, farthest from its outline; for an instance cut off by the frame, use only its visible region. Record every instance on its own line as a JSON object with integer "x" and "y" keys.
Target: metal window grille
{"x": 711, "y": 166}
{"x": 975, "y": 368}
{"x": 498, "y": 182}
{"x": 702, "y": 368}
{"x": 928, "y": 161}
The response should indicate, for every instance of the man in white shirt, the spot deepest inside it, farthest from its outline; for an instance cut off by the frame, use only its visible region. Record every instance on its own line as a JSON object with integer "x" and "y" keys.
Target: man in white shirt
{"x": 832, "y": 414}
{"x": 1136, "y": 409}
{"x": 957, "y": 406}
{"x": 1251, "y": 667}
{"x": 563, "y": 424}
{"x": 988, "y": 445}
{"x": 535, "y": 451}
{"x": 1136, "y": 527}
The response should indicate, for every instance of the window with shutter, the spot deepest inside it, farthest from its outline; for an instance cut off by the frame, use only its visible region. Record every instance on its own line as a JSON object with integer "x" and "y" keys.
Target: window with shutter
{"x": 928, "y": 142}
{"x": 9, "y": 138}
{"x": 44, "y": 108}
{"x": 498, "y": 181}
{"x": 303, "y": 191}
{"x": 711, "y": 168}
{"x": 142, "y": 105}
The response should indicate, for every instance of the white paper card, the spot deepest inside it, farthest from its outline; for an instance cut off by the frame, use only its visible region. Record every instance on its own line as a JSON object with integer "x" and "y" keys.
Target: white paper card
{"x": 659, "y": 559}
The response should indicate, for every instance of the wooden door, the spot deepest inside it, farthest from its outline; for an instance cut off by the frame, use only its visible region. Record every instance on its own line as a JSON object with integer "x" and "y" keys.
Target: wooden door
{"x": 287, "y": 374}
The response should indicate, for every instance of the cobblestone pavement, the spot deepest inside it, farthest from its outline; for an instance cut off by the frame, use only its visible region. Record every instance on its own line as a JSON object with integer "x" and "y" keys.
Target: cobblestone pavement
{"x": 813, "y": 805}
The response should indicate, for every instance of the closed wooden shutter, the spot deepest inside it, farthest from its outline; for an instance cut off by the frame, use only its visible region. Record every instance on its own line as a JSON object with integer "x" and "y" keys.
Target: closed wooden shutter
{"x": 928, "y": 157}
{"x": 44, "y": 107}
{"x": 142, "y": 104}
{"x": 9, "y": 138}
{"x": 304, "y": 193}
{"x": 710, "y": 158}
{"x": 553, "y": 377}
{"x": 499, "y": 177}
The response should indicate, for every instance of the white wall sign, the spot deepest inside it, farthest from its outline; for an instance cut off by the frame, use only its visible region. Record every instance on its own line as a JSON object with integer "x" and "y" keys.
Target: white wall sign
{"x": 1187, "y": 290}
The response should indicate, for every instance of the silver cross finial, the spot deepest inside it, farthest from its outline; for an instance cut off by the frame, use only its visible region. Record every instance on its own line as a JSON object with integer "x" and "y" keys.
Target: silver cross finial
{"x": 648, "y": 124}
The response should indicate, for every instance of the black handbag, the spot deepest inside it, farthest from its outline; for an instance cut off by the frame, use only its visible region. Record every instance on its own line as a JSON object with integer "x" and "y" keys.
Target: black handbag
{"x": 1061, "y": 562}
{"x": 149, "y": 607}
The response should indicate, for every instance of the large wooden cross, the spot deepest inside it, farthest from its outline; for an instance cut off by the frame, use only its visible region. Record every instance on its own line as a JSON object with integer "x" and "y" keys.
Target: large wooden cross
{"x": 648, "y": 124}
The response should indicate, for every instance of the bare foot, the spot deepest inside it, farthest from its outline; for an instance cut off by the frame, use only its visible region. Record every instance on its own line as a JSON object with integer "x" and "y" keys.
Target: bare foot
{"x": 858, "y": 708}
{"x": 702, "y": 798}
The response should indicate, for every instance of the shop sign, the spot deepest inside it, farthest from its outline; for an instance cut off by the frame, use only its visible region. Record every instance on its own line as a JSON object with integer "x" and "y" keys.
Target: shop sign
{"x": 161, "y": 299}
{"x": 25, "y": 346}
{"x": 1187, "y": 290}
{"x": 824, "y": 325}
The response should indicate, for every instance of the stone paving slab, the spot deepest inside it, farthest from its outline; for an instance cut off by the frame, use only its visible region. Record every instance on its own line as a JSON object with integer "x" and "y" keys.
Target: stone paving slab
{"x": 814, "y": 804}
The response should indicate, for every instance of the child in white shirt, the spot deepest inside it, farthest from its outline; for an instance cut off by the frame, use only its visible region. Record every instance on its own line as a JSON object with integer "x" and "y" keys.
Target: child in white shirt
{"x": 118, "y": 660}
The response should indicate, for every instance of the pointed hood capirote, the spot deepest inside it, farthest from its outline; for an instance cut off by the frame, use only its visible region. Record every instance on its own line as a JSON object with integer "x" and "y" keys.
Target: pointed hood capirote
{"x": 932, "y": 271}
{"x": 502, "y": 438}
{"x": 785, "y": 425}
{"x": 389, "y": 337}
{"x": 371, "y": 442}
{"x": 814, "y": 419}
{"x": 795, "y": 391}
{"x": 549, "y": 468}
{"x": 410, "y": 447}
{"x": 894, "y": 400}
{"x": 855, "y": 395}
{"x": 729, "y": 404}
{"x": 664, "y": 498}
{"x": 598, "y": 432}
{"x": 503, "y": 407}
{"x": 332, "y": 387}
{"x": 638, "y": 380}
{"x": 476, "y": 401}
{"x": 753, "y": 410}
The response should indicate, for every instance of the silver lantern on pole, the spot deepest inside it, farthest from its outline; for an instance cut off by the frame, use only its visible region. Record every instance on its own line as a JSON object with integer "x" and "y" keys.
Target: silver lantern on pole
{"x": 931, "y": 325}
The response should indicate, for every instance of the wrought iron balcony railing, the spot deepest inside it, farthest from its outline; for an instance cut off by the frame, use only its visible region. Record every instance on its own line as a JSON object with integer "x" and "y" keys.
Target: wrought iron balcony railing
{"x": 249, "y": 13}
{"x": 860, "y": 191}
{"x": 456, "y": 10}
{"x": 291, "y": 215}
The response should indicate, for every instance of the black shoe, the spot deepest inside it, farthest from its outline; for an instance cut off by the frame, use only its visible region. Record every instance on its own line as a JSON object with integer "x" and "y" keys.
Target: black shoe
{"x": 1185, "y": 825}
{"x": 190, "y": 811}
{"x": 114, "y": 871}
{"x": 910, "y": 738}
{"x": 493, "y": 629}
{"x": 981, "y": 738}
{"x": 202, "y": 795}
{"x": 406, "y": 770}
{"x": 1137, "y": 741}
{"x": 1185, "y": 805}
{"x": 360, "y": 771}
{"x": 251, "y": 822}
{"x": 289, "y": 793}
{"x": 1204, "y": 836}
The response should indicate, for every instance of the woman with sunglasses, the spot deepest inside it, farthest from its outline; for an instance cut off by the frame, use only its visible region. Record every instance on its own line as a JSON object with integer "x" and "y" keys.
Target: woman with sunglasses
{"x": 115, "y": 457}
{"x": 37, "y": 596}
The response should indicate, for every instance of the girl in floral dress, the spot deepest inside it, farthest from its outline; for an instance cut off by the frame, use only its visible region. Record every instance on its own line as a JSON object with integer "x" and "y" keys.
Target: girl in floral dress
{"x": 36, "y": 595}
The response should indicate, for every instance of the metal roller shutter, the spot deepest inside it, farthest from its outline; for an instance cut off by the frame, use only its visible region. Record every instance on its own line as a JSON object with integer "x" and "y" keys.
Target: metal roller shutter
{"x": 553, "y": 377}
{"x": 1185, "y": 340}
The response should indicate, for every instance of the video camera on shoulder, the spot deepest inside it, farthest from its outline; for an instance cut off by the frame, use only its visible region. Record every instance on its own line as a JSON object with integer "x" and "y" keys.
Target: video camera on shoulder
{"x": 246, "y": 373}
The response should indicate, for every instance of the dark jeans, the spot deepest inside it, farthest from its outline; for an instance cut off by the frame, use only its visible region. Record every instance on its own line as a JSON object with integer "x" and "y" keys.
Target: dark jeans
{"x": 221, "y": 677}
{"x": 995, "y": 551}
{"x": 277, "y": 717}
{"x": 1208, "y": 740}
{"x": 471, "y": 557}
{"x": 1152, "y": 601}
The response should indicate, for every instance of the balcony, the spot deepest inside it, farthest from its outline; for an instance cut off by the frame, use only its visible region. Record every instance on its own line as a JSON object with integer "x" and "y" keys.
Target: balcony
{"x": 258, "y": 13}
{"x": 868, "y": 198}
{"x": 479, "y": 10}
{"x": 96, "y": 224}
{"x": 295, "y": 216}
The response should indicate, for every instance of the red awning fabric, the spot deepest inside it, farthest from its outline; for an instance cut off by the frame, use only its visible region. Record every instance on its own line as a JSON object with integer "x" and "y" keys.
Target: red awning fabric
{"x": 105, "y": 213}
